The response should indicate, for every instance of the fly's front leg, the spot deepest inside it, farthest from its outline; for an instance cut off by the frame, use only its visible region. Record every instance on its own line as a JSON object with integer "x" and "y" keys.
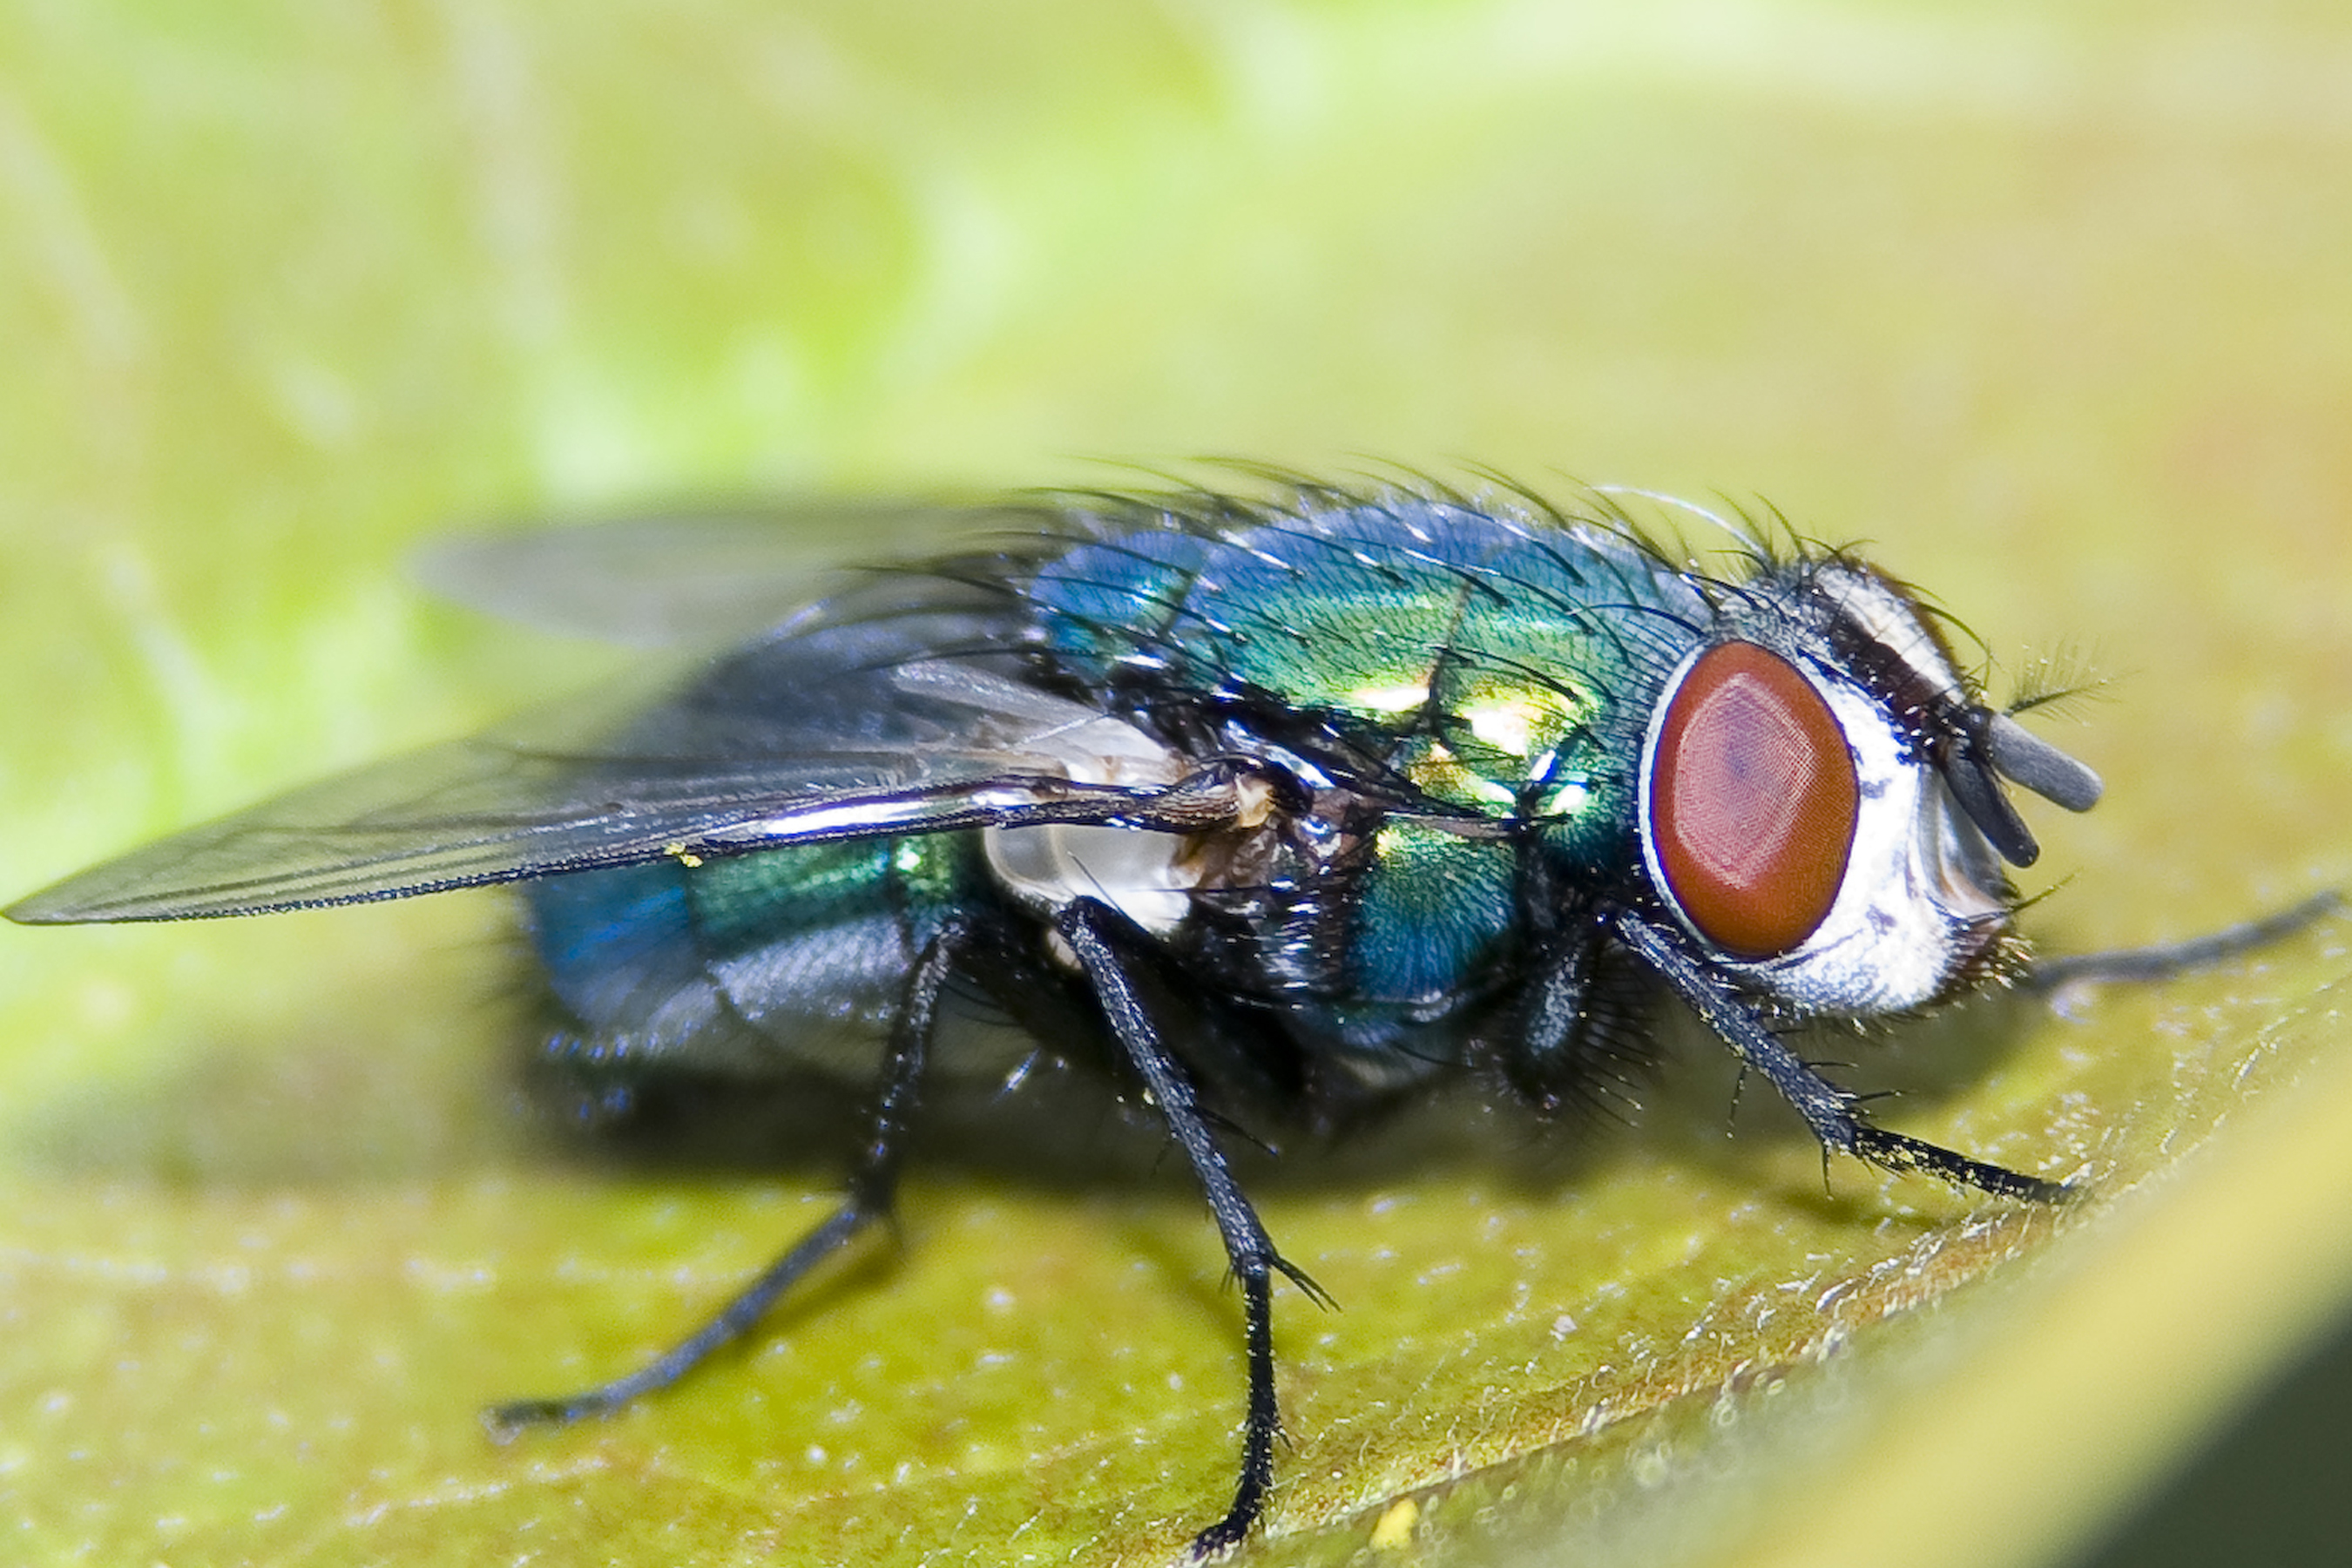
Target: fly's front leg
{"x": 1087, "y": 926}
{"x": 872, "y": 1184}
{"x": 1830, "y": 1112}
{"x": 2164, "y": 960}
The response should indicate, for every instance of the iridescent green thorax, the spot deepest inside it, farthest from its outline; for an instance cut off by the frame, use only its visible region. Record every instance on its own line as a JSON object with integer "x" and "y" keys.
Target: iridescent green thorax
{"x": 1430, "y": 907}
{"x": 1468, "y": 690}
{"x": 1501, "y": 666}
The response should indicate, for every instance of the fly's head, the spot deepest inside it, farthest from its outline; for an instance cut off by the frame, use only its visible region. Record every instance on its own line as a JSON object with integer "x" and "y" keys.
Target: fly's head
{"x": 1822, "y": 805}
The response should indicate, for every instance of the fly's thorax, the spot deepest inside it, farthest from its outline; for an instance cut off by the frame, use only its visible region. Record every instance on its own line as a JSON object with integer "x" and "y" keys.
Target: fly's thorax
{"x": 1796, "y": 827}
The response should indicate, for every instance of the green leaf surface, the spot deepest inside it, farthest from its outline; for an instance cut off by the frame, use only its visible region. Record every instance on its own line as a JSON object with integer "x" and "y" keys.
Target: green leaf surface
{"x": 2050, "y": 306}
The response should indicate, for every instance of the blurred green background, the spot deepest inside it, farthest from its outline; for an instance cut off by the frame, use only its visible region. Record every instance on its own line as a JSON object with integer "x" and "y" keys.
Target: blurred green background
{"x": 2050, "y": 304}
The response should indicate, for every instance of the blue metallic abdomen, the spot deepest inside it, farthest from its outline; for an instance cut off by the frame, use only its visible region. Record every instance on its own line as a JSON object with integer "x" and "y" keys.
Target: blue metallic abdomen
{"x": 788, "y": 960}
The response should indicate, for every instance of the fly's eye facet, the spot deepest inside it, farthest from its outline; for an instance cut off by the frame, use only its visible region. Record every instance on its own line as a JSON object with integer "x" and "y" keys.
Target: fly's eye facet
{"x": 1751, "y": 801}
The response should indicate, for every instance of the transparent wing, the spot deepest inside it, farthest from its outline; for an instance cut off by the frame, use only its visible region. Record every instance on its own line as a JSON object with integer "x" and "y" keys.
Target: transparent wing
{"x": 897, "y": 710}
{"x": 702, "y": 577}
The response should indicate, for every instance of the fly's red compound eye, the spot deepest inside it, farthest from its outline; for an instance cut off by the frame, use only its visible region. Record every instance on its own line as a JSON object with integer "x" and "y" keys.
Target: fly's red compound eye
{"x": 1751, "y": 801}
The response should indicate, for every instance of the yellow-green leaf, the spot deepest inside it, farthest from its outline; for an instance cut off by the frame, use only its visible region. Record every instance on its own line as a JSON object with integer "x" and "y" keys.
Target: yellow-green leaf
{"x": 2049, "y": 305}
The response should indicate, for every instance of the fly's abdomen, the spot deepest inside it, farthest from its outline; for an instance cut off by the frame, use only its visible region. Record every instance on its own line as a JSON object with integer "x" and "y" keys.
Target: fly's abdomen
{"x": 791, "y": 958}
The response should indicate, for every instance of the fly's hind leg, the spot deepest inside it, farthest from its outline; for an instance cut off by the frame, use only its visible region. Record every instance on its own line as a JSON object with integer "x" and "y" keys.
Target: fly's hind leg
{"x": 872, "y": 1184}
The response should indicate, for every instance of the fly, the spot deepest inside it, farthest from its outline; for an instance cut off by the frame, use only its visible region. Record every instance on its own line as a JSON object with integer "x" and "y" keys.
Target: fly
{"x": 1390, "y": 786}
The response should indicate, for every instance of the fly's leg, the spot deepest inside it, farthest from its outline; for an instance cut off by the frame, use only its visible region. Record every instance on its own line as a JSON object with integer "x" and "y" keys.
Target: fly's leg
{"x": 1542, "y": 1058}
{"x": 1087, "y": 926}
{"x": 871, "y": 1186}
{"x": 1832, "y": 1113}
{"x": 2167, "y": 959}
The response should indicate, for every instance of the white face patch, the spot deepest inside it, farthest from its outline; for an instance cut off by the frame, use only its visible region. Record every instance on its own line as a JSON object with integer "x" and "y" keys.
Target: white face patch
{"x": 1922, "y": 894}
{"x": 1892, "y": 622}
